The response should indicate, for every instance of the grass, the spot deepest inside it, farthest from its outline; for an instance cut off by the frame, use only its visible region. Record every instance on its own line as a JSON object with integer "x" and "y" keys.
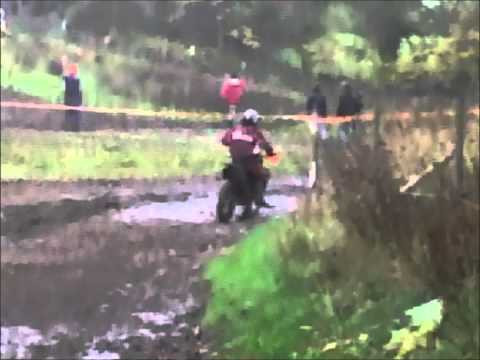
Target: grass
{"x": 37, "y": 82}
{"x": 113, "y": 83}
{"x": 46, "y": 155}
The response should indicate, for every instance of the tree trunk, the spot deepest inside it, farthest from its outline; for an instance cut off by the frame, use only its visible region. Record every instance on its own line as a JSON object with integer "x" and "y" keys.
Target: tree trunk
{"x": 460, "y": 118}
{"x": 220, "y": 33}
{"x": 461, "y": 84}
{"x": 221, "y": 12}
{"x": 306, "y": 68}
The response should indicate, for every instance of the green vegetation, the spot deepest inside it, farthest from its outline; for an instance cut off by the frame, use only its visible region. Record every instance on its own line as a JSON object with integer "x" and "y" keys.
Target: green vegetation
{"x": 123, "y": 78}
{"x": 35, "y": 80}
{"x": 56, "y": 155}
{"x": 37, "y": 155}
{"x": 296, "y": 291}
{"x": 331, "y": 283}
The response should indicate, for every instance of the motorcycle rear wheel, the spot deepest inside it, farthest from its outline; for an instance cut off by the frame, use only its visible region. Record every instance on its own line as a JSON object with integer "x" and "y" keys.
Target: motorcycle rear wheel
{"x": 226, "y": 203}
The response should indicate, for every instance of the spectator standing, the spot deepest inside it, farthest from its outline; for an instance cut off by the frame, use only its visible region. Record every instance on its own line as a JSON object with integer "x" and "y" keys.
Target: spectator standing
{"x": 72, "y": 95}
{"x": 348, "y": 105}
{"x": 317, "y": 105}
{"x": 232, "y": 90}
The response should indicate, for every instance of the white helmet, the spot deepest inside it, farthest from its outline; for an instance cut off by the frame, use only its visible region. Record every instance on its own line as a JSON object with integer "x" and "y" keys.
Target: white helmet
{"x": 252, "y": 116}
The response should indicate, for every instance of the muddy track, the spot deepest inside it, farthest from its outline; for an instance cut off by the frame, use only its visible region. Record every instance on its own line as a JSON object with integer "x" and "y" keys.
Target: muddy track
{"x": 95, "y": 274}
{"x": 28, "y": 192}
{"x": 21, "y": 221}
{"x": 91, "y": 273}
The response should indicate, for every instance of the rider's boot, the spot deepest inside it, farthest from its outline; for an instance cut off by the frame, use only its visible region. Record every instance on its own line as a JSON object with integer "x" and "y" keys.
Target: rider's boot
{"x": 263, "y": 203}
{"x": 260, "y": 200}
{"x": 247, "y": 213}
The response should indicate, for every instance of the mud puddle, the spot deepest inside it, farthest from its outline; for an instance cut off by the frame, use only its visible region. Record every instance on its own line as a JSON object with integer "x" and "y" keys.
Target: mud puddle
{"x": 137, "y": 201}
{"x": 197, "y": 210}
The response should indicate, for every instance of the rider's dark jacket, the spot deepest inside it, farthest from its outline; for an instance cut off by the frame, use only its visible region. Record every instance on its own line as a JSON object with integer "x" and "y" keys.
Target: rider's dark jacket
{"x": 242, "y": 141}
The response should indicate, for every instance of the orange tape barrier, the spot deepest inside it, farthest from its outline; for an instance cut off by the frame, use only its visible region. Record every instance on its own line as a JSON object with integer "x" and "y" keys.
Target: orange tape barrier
{"x": 135, "y": 112}
{"x": 100, "y": 110}
{"x": 367, "y": 116}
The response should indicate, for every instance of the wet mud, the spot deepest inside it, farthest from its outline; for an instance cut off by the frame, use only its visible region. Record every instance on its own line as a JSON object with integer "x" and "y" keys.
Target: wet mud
{"x": 80, "y": 279}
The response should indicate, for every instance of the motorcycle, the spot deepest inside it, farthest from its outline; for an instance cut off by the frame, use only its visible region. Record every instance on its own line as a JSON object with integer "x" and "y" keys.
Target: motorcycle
{"x": 238, "y": 190}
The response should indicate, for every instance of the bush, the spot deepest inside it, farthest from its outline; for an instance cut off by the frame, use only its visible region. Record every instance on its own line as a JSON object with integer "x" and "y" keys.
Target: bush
{"x": 343, "y": 281}
{"x": 286, "y": 288}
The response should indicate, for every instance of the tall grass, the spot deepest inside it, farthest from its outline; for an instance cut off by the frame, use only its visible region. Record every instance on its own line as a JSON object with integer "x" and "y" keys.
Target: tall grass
{"x": 45, "y": 155}
{"x": 146, "y": 154}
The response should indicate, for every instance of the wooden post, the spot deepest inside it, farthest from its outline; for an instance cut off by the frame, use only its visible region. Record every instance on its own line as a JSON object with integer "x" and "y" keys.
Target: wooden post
{"x": 314, "y": 166}
{"x": 376, "y": 124}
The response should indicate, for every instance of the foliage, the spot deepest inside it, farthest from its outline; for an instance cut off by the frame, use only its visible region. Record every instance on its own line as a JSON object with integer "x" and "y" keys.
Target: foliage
{"x": 339, "y": 17}
{"x": 242, "y": 32}
{"x": 43, "y": 86}
{"x": 344, "y": 54}
{"x": 425, "y": 318}
{"x": 144, "y": 154}
{"x": 291, "y": 290}
{"x": 442, "y": 57}
{"x": 128, "y": 77}
{"x": 271, "y": 304}
{"x": 291, "y": 57}
{"x": 247, "y": 37}
{"x": 436, "y": 56}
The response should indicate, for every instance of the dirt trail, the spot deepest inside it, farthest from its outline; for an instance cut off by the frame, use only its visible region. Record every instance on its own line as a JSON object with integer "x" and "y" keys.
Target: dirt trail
{"x": 95, "y": 274}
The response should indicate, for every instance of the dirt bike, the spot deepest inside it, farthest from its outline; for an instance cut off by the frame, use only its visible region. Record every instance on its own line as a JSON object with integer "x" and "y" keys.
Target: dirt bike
{"x": 239, "y": 189}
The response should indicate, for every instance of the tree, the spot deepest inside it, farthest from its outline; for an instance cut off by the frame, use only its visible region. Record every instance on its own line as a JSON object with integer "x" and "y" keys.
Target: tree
{"x": 451, "y": 60}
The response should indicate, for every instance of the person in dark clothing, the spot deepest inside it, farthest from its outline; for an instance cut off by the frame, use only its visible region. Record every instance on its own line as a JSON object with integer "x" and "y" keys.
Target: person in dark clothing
{"x": 72, "y": 97}
{"x": 245, "y": 141}
{"x": 317, "y": 105}
{"x": 348, "y": 105}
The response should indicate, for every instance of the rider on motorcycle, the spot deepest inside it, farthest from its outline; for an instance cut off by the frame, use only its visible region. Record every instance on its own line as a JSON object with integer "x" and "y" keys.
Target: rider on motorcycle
{"x": 245, "y": 141}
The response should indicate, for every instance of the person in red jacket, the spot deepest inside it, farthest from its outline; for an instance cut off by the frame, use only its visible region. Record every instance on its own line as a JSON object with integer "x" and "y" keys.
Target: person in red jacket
{"x": 245, "y": 141}
{"x": 232, "y": 90}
